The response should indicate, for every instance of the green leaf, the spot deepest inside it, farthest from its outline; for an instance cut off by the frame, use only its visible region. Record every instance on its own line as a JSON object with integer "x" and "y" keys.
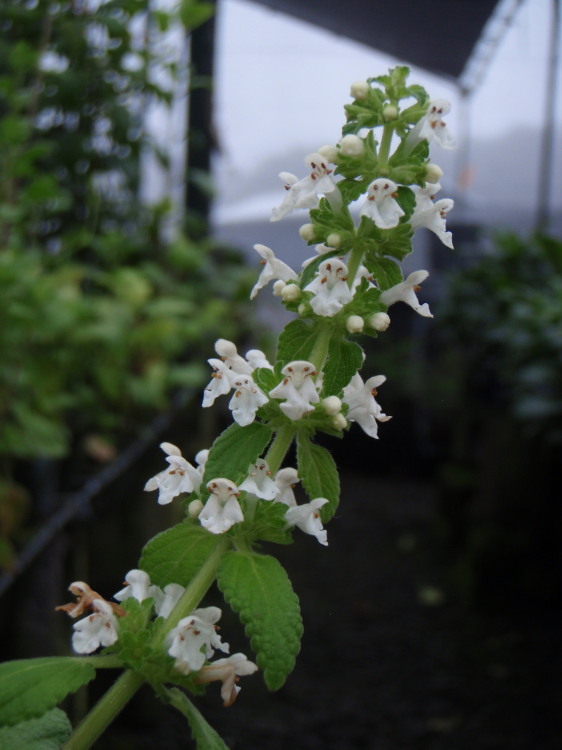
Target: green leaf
{"x": 258, "y": 588}
{"x": 386, "y": 272}
{"x": 319, "y": 475}
{"x": 29, "y": 687}
{"x": 48, "y": 732}
{"x": 176, "y": 555}
{"x": 203, "y": 733}
{"x": 344, "y": 360}
{"x": 234, "y": 450}
{"x": 193, "y": 14}
{"x": 297, "y": 341}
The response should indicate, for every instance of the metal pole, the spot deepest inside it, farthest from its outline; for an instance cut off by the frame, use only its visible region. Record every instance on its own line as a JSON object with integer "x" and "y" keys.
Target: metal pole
{"x": 546, "y": 173}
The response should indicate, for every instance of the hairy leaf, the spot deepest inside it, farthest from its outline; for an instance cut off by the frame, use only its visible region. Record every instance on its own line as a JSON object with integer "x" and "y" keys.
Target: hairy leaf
{"x": 344, "y": 360}
{"x": 29, "y": 687}
{"x": 175, "y": 555}
{"x": 235, "y": 449}
{"x": 203, "y": 733}
{"x": 48, "y": 732}
{"x": 296, "y": 341}
{"x": 319, "y": 475}
{"x": 258, "y": 588}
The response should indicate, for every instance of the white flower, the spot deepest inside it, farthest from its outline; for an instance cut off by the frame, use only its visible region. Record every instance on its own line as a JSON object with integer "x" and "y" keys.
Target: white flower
{"x": 379, "y": 321}
{"x": 201, "y": 459}
{"x": 352, "y": 145}
{"x": 222, "y": 510}
{"x": 298, "y": 388}
{"x": 246, "y": 400}
{"x": 179, "y": 477}
{"x": 321, "y": 249}
{"x": 432, "y": 215}
{"x": 220, "y": 383}
{"x": 172, "y": 594}
{"x": 307, "y": 518}
{"x": 98, "y": 629}
{"x": 360, "y": 397}
{"x": 330, "y": 288}
{"x": 257, "y": 358}
{"x": 285, "y": 479}
{"x": 194, "y": 639}
{"x": 229, "y": 354}
{"x": 228, "y": 671}
{"x": 273, "y": 268}
{"x": 259, "y": 481}
{"x": 380, "y": 205}
{"x": 406, "y": 292}
{"x": 431, "y": 126}
{"x": 304, "y": 193}
{"x": 139, "y": 587}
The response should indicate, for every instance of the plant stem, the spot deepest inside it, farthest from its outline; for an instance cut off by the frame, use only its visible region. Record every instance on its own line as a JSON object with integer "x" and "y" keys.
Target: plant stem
{"x": 195, "y": 590}
{"x": 384, "y": 149}
{"x": 320, "y": 349}
{"x": 279, "y": 447}
{"x": 105, "y": 710}
{"x": 355, "y": 258}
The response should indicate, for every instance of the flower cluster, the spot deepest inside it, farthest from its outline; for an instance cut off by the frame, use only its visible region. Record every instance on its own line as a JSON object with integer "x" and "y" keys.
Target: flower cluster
{"x": 222, "y": 509}
{"x": 191, "y": 643}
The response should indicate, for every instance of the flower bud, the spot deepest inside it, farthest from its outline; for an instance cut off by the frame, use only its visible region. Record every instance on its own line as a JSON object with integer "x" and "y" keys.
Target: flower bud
{"x": 302, "y": 308}
{"x": 290, "y": 293}
{"x": 307, "y": 232}
{"x": 360, "y": 89}
{"x": 339, "y": 422}
{"x": 194, "y": 508}
{"x": 330, "y": 153}
{"x": 354, "y": 324}
{"x": 278, "y": 288}
{"x": 390, "y": 112}
{"x": 433, "y": 173}
{"x": 332, "y": 405}
{"x": 333, "y": 240}
{"x": 379, "y": 321}
{"x": 352, "y": 145}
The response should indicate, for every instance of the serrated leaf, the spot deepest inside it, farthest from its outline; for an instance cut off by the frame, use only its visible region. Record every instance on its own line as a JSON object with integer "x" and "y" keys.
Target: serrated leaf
{"x": 344, "y": 360}
{"x": 176, "y": 555}
{"x": 319, "y": 475}
{"x": 30, "y": 687}
{"x": 269, "y": 523}
{"x": 297, "y": 341}
{"x": 235, "y": 449}
{"x": 265, "y": 379}
{"x": 203, "y": 733}
{"x": 258, "y": 588}
{"x": 386, "y": 272}
{"x": 48, "y": 732}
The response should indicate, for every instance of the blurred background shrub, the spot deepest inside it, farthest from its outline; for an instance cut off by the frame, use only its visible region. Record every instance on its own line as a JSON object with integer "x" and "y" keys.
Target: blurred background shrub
{"x": 106, "y": 305}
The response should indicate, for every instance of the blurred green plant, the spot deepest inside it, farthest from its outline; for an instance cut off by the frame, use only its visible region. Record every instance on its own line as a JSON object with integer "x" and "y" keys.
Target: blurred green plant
{"x": 501, "y": 333}
{"x": 503, "y": 315}
{"x": 102, "y": 315}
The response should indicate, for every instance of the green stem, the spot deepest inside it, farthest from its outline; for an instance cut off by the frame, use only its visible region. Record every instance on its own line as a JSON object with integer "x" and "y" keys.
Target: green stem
{"x": 320, "y": 349}
{"x": 355, "y": 258}
{"x": 105, "y": 710}
{"x": 384, "y": 149}
{"x": 195, "y": 590}
{"x": 279, "y": 447}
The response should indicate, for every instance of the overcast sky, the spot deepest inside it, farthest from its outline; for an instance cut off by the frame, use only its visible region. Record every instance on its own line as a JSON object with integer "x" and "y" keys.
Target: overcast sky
{"x": 281, "y": 84}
